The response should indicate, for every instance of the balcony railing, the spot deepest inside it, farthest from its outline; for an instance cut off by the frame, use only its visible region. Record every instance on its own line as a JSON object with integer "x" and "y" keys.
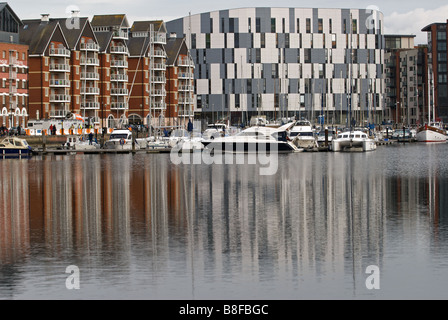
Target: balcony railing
{"x": 90, "y": 105}
{"x": 90, "y": 62}
{"x": 59, "y": 98}
{"x": 119, "y": 105}
{"x": 119, "y": 77}
{"x": 58, "y": 113}
{"x": 90, "y": 76}
{"x": 89, "y": 46}
{"x": 60, "y": 67}
{"x": 184, "y": 113}
{"x": 119, "y": 92}
{"x": 158, "y": 53}
{"x": 158, "y": 92}
{"x": 59, "y": 83}
{"x": 185, "y": 76}
{"x": 119, "y": 63}
{"x": 157, "y": 105}
{"x": 185, "y": 88}
{"x": 90, "y": 90}
{"x": 159, "y": 66}
{"x": 120, "y": 35}
{"x": 185, "y": 62}
{"x": 118, "y": 49}
{"x": 158, "y": 79}
{"x": 159, "y": 39}
{"x": 60, "y": 52}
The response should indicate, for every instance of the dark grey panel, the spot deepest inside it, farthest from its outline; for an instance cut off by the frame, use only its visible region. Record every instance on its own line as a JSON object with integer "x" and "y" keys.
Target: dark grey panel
{"x": 224, "y": 21}
{"x": 315, "y": 22}
{"x": 291, "y": 55}
{"x": 318, "y": 56}
{"x": 292, "y": 21}
{"x": 214, "y": 55}
{"x": 176, "y": 26}
{"x": 265, "y": 15}
{"x": 205, "y": 23}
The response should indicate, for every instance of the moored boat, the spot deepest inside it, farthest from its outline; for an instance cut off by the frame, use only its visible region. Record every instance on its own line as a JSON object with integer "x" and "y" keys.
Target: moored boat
{"x": 15, "y": 147}
{"x": 353, "y": 141}
{"x": 432, "y": 133}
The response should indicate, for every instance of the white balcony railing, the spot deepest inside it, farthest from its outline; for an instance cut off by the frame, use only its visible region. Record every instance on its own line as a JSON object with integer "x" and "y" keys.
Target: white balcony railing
{"x": 158, "y": 92}
{"x": 59, "y": 83}
{"x": 159, "y": 38}
{"x": 185, "y": 76}
{"x": 119, "y": 63}
{"x": 119, "y": 77}
{"x": 120, "y": 35}
{"x": 118, "y": 49}
{"x": 119, "y": 92}
{"x": 60, "y": 52}
{"x": 185, "y": 62}
{"x": 90, "y": 62}
{"x": 90, "y": 105}
{"x": 90, "y": 76}
{"x": 159, "y": 66}
{"x": 89, "y": 47}
{"x": 186, "y": 88}
{"x": 59, "y": 98}
{"x": 60, "y": 67}
{"x": 158, "y": 79}
{"x": 119, "y": 106}
{"x": 58, "y": 113}
{"x": 158, "y": 53}
{"x": 90, "y": 90}
{"x": 157, "y": 105}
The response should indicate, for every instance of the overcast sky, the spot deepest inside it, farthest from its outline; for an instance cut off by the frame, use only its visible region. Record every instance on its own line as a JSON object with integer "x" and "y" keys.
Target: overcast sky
{"x": 401, "y": 17}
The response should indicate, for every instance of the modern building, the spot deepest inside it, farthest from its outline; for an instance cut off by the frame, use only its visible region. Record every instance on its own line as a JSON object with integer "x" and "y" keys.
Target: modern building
{"x": 437, "y": 52}
{"x": 13, "y": 70}
{"x": 283, "y": 62}
{"x": 406, "y": 81}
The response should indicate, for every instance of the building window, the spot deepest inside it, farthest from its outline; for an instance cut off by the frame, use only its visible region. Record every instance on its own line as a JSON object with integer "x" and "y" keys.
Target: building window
{"x": 441, "y": 46}
{"x": 207, "y": 40}
{"x": 232, "y": 25}
{"x": 249, "y": 23}
{"x": 441, "y": 35}
{"x": 272, "y": 25}
{"x": 308, "y": 25}
{"x": 258, "y": 25}
{"x": 320, "y": 26}
{"x": 298, "y": 26}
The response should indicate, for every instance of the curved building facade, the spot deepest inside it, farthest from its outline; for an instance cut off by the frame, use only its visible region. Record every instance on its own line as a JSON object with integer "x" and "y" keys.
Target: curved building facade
{"x": 283, "y": 62}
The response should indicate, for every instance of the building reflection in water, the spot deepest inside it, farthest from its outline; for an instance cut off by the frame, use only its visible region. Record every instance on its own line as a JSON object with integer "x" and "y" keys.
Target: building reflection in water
{"x": 322, "y": 217}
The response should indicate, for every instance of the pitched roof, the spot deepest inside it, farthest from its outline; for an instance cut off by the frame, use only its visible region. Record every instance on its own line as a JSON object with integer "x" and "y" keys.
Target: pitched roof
{"x": 4, "y": 5}
{"x": 37, "y": 34}
{"x": 143, "y": 26}
{"x": 138, "y": 46}
{"x": 173, "y": 48}
{"x": 110, "y": 20}
{"x": 104, "y": 39}
{"x": 72, "y": 35}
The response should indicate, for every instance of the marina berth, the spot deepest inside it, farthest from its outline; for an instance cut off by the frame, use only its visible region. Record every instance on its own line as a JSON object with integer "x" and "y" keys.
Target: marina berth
{"x": 353, "y": 140}
{"x": 15, "y": 147}
{"x": 256, "y": 139}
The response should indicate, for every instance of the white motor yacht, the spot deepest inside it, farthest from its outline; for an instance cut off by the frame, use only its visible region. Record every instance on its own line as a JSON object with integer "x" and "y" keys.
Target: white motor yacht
{"x": 15, "y": 147}
{"x": 303, "y": 134}
{"x": 122, "y": 140}
{"x": 353, "y": 141}
{"x": 255, "y": 139}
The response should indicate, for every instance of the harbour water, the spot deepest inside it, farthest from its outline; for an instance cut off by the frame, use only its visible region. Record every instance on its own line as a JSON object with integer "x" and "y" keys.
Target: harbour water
{"x": 140, "y": 227}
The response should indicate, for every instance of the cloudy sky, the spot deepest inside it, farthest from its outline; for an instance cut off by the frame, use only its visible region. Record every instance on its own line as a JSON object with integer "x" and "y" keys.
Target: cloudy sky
{"x": 401, "y": 17}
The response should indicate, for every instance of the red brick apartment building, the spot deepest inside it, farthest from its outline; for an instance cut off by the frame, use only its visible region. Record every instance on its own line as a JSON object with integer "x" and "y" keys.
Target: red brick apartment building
{"x": 13, "y": 70}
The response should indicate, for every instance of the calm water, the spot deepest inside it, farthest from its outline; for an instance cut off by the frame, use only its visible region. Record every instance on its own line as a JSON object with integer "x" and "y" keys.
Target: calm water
{"x": 140, "y": 227}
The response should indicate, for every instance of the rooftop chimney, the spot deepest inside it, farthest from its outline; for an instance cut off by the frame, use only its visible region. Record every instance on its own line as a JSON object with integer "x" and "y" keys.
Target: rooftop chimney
{"x": 45, "y": 17}
{"x": 173, "y": 35}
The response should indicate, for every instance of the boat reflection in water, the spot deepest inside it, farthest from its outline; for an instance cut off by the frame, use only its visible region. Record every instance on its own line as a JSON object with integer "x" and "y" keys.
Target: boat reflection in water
{"x": 139, "y": 227}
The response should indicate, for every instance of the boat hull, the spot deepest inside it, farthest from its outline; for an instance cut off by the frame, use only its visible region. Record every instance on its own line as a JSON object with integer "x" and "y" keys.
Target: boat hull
{"x": 250, "y": 147}
{"x": 13, "y": 153}
{"x": 431, "y": 136}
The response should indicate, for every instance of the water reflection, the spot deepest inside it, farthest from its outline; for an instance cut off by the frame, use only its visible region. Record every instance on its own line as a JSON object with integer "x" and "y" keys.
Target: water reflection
{"x": 141, "y": 227}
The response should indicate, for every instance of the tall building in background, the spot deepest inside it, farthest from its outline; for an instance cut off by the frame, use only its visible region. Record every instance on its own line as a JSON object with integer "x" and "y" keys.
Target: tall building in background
{"x": 406, "y": 81}
{"x": 437, "y": 60}
{"x": 287, "y": 62}
{"x": 13, "y": 70}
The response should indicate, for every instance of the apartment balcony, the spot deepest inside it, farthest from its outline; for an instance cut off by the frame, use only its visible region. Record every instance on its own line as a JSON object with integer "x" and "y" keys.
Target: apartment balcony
{"x": 119, "y": 63}
{"x": 157, "y": 106}
{"x": 158, "y": 79}
{"x": 119, "y": 77}
{"x": 59, "y": 67}
{"x": 12, "y": 75}
{"x": 185, "y": 76}
{"x": 184, "y": 113}
{"x": 119, "y": 49}
{"x": 59, "y": 98}
{"x": 158, "y": 54}
{"x": 90, "y": 62}
{"x": 89, "y": 47}
{"x": 90, "y": 105}
{"x": 185, "y": 62}
{"x": 90, "y": 76}
{"x": 60, "y": 52}
{"x": 159, "y": 39}
{"x": 120, "y": 35}
{"x": 186, "y": 88}
{"x": 159, "y": 66}
{"x": 90, "y": 90}
{"x": 58, "y": 114}
{"x": 158, "y": 93}
{"x": 119, "y": 92}
{"x": 185, "y": 101}
{"x": 119, "y": 106}
{"x": 59, "y": 83}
